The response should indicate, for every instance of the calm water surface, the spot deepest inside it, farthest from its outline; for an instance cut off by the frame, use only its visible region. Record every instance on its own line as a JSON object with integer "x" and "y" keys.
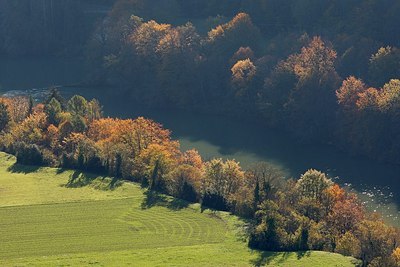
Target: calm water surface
{"x": 377, "y": 184}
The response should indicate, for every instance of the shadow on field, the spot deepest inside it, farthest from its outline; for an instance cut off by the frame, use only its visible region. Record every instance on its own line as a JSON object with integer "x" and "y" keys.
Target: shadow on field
{"x": 268, "y": 257}
{"x": 153, "y": 198}
{"x": 301, "y": 254}
{"x": 80, "y": 179}
{"x": 60, "y": 170}
{"x": 17, "y": 168}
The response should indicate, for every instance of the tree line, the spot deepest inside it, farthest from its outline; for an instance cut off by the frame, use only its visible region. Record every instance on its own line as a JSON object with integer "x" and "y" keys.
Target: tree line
{"x": 311, "y": 212}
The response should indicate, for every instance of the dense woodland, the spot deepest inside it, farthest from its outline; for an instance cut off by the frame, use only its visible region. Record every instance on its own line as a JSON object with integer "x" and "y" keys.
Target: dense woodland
{"x": 325, "y": 71}
{"x": 311, "y": 212}
{"x": 47, "y": 27}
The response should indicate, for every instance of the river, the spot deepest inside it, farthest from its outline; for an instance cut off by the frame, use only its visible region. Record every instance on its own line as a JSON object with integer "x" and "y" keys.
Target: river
{"x": 377, "y": 184}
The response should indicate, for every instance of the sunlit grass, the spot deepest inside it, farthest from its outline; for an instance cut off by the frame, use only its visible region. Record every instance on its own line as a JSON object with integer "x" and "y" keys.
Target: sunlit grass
{"x": 46, "y": 220}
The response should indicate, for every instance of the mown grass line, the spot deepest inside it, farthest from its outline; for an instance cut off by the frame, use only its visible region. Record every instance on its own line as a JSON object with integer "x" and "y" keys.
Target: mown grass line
{"x": 52, "y": 229}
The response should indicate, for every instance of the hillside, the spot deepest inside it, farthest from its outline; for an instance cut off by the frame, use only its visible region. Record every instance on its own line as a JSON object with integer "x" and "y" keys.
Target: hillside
{"x": 46, "y": 219}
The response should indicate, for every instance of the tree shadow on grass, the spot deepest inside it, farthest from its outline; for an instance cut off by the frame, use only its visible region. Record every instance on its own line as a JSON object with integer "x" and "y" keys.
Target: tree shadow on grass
{"x": 268, "y": 257}
{"x": 301, "y": 254}
{"x": 80, "y": 179}
{"x": 25, "y": 169}
{"x": 114, "y": 183}
{"x": 153, "y": 198}
{"x": 60, "y": 170}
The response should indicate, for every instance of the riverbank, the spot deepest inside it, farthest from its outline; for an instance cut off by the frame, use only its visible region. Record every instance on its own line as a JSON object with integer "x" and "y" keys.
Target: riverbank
{"x": 213, "y": 135}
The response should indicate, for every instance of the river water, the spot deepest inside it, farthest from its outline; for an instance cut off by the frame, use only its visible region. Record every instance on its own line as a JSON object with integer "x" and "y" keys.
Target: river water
{"x": 377, "y": 184}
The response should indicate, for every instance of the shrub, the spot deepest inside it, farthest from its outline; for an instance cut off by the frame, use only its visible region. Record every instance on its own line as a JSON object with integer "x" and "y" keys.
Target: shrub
{"x": 28, "y": 154}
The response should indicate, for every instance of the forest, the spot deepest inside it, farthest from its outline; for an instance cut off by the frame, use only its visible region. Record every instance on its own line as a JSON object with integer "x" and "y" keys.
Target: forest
{"x": 325, "y": 72}
{"x": 311, "y": 212}
{"x": 331, "y": 84}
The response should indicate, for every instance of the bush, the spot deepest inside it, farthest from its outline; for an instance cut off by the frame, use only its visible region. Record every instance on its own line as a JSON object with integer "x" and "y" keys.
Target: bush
{"x": 49, "y": 159}
{"x": 28, "y": 154}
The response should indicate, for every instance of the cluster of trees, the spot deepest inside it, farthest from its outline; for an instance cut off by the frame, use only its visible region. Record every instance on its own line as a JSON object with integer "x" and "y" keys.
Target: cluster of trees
{"x": 287, "y": 80}
{"x": 370, "y": 118}
{"x": 309, "y": 213}
{"x": 314, "y": 213}
{"x": 373, "y": 19}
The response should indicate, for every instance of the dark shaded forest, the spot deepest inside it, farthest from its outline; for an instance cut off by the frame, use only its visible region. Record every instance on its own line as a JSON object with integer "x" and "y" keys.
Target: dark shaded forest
{"x": 325, "y": 71}
{"x": 48, "y": 27}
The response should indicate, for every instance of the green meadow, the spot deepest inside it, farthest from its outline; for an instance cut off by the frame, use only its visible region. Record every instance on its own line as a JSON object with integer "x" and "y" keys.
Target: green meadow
{"x": 55, "y": 217}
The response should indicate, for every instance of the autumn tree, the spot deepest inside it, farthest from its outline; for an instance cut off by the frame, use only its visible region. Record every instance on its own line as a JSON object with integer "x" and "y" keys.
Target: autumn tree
{"x": 313, "y": 183}
{"x": 311, "y": 105}
{"x": 239, "y": 32}
{"x": 31, "y": 130}
{"x": 300, "y": 93}
{"x": 147, "y": 38}
{"x": 345, "y": 214}
{"x": 312, "y": 187}
{"x": 178, "y": 51}
{"x": 389, "y": 97}
{"x": 18, "y": 107}
{"x": 221, "y": 180}
{"x": 384, "y": 65}
{"x": 242, "y": 53}
{"x": 377, "y": 240}
{"x": 396, "y": 256}
{"x": 184, "y": 182}
{"x": 243, "y": 73}
{"x": 155, "y": 162}
{"x": 348, "y": 245}
{"x": 349, "y": 93}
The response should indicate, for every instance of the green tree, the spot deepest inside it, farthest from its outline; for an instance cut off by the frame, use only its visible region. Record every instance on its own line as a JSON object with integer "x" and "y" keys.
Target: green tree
{"x": 4, "y": 116}
{"x": 78, "y": 123}
{"x": 78, "y": 105}
{"x": 54, "y": 93}
{"x": 94, "y": 110}
{"x": 53, "y": 110}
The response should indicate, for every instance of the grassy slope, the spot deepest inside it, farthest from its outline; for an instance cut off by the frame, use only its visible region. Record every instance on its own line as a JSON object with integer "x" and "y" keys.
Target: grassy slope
{"x": 45, "y": 222}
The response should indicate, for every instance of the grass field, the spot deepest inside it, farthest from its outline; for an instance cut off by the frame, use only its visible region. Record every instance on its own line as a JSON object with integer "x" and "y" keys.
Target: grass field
{"x": 45, "y": 220}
